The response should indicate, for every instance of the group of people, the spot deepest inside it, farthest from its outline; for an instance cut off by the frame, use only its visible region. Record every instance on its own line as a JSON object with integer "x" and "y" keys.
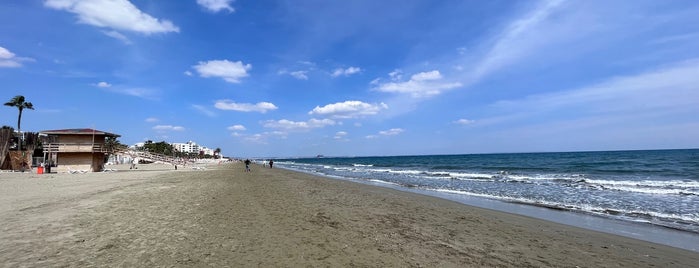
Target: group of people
{"x": 247, "y": 164}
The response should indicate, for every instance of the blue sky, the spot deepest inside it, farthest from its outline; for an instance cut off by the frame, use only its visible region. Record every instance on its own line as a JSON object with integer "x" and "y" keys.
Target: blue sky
{"x": 350, "y": 78}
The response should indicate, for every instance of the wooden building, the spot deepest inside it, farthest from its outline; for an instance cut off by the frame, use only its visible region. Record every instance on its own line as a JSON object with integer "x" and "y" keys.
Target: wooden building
{"x": 81, "y": 149}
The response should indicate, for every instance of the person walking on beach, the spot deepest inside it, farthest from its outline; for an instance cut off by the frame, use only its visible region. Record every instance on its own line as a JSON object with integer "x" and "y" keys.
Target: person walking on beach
{"x": 271, "y": 163}
{"x": 247, "y": 165}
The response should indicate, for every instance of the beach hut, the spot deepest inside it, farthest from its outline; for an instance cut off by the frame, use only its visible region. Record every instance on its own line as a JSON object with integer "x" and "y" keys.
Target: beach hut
{"x": 76, "y": 150}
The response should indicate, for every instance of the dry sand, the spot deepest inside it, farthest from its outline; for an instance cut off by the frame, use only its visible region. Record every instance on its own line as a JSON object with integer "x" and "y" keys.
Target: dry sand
{"x": 224, "y": 217}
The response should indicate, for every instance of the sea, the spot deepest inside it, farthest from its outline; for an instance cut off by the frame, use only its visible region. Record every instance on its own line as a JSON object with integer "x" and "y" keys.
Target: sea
{"x": 657, "y": 188}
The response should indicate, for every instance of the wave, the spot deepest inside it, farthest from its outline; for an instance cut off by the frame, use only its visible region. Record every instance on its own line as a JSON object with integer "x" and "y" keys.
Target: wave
{"x": 656, "y": 187}
{"x": 648, "y": 183}
{"x": 687, "y": 222}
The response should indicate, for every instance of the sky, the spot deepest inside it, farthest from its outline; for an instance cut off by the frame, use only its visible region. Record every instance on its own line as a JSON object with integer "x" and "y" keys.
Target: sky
{"x": 358, "y": 78}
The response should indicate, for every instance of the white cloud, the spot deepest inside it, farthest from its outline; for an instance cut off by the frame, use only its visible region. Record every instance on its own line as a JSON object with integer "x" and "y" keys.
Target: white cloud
{"x": 118, "y": 36}
{"x": 261, "y": 138}
{"x": 204, "y": 110}
{"x": 103, "y": 84}
{"x": 301, "y": 75}
{"x": 168, "y": 128}
{"x": 669, "y": 92}
{"x": 10, "y": 60}
{"x": 520, "y": 38}
{"x": 261, "y": 107}
{"x": 114, "y": 14}
{"x": 229, "y": 71}
{"x": 464, "y": 121}
{"x": 188, "y": 73}
{"x": 298, "y": 126}
{"x": 396, "y": 75}
{"x": 145, "y": 93}
{"x": 257, "y": 138}
{"x": 422, "y": 84}
{"x": 346, "y": 72}
{"x": 152, "y": 120}
{"x": 138, "y": 92}
{"x": 340, "y": 135}
{"x": 391, "y": 132}
{"x": 348, "y": 109}
{"x": 6, "y": 54}
{"x": 237, "y": 128}
{"x": 216, "y": 5}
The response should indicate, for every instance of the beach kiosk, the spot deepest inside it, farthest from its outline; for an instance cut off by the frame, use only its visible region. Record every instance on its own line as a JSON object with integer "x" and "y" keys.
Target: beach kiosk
{"x": 75, "y": 150}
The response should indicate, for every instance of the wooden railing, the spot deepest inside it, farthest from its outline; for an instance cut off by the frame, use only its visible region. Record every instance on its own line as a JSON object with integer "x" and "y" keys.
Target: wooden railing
{"x": 76, "y": 148}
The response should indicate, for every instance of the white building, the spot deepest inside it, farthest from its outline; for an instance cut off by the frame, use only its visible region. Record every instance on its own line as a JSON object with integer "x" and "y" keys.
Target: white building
{"x": 188, "y": 147}
{"x": 192, "y": 147}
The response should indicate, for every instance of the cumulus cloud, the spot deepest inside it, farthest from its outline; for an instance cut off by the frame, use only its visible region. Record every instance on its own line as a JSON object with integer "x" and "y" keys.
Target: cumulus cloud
{"x": 348, "y": 109}
{"x": 103, "y": 84}
{"x": 298, "y": 126}
{"x": 237, "y": 128}
{"x": 422, "y": 84}
{"x": 346, "y": 72}
{"x": 168, "y": 128}
{"x": 114, "y": 14}
{"x": 391, "y": 132}
{"x": 229, "y": 71}
{"x": 216, "y": 5}
{"x": 300, "y": 75}
{"x": 464, "y": 121}
{"x": 10, "y": 60}
{"x": 261, "y": 107}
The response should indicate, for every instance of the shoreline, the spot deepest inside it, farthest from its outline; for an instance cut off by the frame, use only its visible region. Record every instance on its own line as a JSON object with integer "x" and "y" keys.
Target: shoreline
{"x": 223, "y": 216}
{"x": 636, "y": 230}
{"x": 646, "y": 231}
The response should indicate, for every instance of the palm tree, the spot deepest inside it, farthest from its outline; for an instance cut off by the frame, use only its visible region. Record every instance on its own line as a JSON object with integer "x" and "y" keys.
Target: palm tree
{"x": 19, "y": 102}
{"x": 217, "y": 152}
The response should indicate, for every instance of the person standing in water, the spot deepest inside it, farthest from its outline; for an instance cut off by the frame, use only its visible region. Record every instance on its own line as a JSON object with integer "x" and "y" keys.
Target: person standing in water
{"x": 271, "y": 163}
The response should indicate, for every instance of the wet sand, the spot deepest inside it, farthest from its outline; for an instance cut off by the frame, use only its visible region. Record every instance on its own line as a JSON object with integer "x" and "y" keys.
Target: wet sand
{"x": 225, "y": 217}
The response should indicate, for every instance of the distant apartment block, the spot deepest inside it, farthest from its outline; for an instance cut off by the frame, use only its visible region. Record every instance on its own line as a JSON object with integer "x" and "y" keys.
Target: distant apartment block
{"x": 189, "y": 147}
{"x": 192, "y": 147}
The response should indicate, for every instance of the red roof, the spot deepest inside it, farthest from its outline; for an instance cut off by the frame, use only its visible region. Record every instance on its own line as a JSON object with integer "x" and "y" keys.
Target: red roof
{"x": 78, "y": 131}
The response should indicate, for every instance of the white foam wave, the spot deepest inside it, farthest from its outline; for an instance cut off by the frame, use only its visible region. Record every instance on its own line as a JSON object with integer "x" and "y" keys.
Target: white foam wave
{"x": 647, "y": 183}
{"x": 654, "y": 190}
{"x": 384, "y": 182}
{"x": 693, "y": 218}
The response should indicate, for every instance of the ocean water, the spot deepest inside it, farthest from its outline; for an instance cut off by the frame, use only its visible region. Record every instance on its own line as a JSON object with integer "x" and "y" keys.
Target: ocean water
{"x": 657, "y": 187}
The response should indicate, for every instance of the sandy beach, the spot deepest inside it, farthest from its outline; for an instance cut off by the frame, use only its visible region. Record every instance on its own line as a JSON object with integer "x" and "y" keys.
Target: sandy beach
{"x": 222, "y": 216}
